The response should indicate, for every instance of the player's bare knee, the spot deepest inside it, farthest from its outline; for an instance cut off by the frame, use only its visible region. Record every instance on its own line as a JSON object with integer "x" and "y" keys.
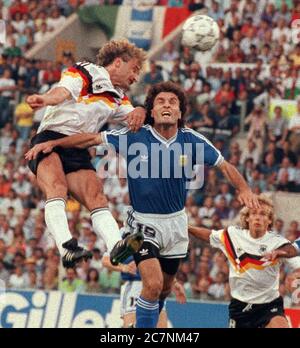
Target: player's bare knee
{"x": 153, "y": 287}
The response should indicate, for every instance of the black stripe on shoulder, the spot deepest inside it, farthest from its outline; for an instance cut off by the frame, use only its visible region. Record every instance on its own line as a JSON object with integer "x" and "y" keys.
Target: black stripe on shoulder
{"x": 250, "y": 256}
{"x": 230, "y": 242}
{"x": 82, "y": 68}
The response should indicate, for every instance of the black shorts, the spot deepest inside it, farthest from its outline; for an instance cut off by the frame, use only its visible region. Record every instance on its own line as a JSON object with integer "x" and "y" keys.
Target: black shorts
{"x": 72, "y": 159}
{"x": 245, "y": 315}
{"x": 150, "y": 251}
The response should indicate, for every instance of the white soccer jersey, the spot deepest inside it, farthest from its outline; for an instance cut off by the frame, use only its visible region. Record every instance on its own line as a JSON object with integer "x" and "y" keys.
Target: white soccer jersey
{"x": 251, "y": 279}
{"x": 94, "y": 100}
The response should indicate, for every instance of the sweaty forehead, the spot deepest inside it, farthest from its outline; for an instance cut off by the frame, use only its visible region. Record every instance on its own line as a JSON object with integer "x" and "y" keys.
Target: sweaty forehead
{"x": 166, "y": 95}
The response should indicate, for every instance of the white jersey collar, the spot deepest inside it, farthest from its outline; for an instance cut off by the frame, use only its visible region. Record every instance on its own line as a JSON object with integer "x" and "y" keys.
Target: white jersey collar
{"x": 162, "y": 139}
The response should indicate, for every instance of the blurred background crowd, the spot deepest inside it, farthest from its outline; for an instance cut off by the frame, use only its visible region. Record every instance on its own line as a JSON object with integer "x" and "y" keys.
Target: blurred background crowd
{"x": 231, "y": 107}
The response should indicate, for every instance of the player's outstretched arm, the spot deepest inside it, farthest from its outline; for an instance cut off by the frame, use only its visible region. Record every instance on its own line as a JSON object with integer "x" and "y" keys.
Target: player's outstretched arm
{"x": 179, "y": 292}
{"x": 55, "y": 96}
{"x": 200, "y": 232}
{"x": 124, "y": 268}
{"x": 246, "y": 196}
{"x": 286, "y": 251}
{"x": 78, "y": 140}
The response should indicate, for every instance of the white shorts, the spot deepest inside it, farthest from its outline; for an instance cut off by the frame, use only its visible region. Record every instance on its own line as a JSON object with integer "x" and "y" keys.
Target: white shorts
{"x": 130, "y": 291}
{"x": 168, "y": 232}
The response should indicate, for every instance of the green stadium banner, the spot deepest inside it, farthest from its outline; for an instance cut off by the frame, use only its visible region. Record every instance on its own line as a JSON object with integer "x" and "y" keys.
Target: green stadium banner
{"x": 103, "y": 16}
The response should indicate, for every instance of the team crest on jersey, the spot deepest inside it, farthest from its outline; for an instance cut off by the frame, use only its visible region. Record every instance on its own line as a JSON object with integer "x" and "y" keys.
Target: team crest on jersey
{"x": 239, "y": 250}
{"x": 262, "y": 248}
{"x": 183, "y": 159}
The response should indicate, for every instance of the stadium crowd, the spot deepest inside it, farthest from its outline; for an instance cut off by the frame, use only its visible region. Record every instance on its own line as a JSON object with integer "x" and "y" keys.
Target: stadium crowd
{"x": 264, "y": 146}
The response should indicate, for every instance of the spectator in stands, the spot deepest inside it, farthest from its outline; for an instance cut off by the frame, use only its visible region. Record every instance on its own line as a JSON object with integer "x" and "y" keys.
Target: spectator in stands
{"x": 215, "y": 11}
{"x": 206, "y": 95}
{"x": 12, "y": 50}
{"x": 92, "y": 281}
{"x": 278, "y": 226}
{"x": 268, "y": 13}
{"x": 193, "y": 84}
{"x": 287, "y": 152}
{"x": 42, "y": 34}
{"x": 269, "y": 166}
{"x": 170, "y": 53}
{"x": 294, "y": 226}
{"x": 218, "y": 289}
{"x": 251, "y": 151}
{"x": 50, "y": 279}
{"x": 257, "y": 130}
{"x": 6, "y": 233}
{"x": 71, "y": 283}
{"x": 222, "y": 209}
{"x": 226, "y": 125}
{"x": 153, "y": 76}
{"x": 5, "y": 186}
{"x": 225, "y": 94}
{"x": 7, "y": 88}
{"x": 237, "y": 55}
{"x": 24, "y": 119}
{"x": 4, "y": 274}
{"x": 186, "y": 56}
{"x": 294, "y": 130}
{"x": 224, "y": 193}
{"x": 286, "y": 174}
{"x": 17, "y": 280}
{"x": 291, "y": 84}
{"x": 56, "y": 20}
{"x": 295, "y": 56}
{"x": 249, "y": 40}
{"x": 201, "y": 289}
{"x": 176, "y": 75}
{"x": 109, "y": 281}
{"x": 277, "y": 125}
{"x": 208, "y": 209}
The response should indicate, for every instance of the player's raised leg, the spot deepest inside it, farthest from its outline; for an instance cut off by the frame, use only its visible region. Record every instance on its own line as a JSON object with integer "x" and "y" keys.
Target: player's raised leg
{"x": 86, "y": 187}
{"x": 51, "y": 180}
{"x": 127, "y": 246}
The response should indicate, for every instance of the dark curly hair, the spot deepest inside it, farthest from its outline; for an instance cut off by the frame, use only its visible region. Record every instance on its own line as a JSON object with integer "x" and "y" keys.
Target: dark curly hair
{"x": 165, "y": 87}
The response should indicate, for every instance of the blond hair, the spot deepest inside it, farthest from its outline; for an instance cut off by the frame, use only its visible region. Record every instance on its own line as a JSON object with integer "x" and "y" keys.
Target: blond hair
{"x": 120, "y": 49}
{"x": 263, "y": 200}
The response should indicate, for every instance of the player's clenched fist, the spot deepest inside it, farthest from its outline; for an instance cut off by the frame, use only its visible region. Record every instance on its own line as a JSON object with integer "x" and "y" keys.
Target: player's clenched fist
{"x": 36, "y": 101}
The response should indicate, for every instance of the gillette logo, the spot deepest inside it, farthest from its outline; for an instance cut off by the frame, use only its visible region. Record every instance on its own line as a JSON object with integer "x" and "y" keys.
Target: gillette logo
{"x": 43, "y": 309}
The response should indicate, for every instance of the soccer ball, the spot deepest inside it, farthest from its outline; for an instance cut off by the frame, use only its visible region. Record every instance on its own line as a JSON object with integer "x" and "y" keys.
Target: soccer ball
{"x": 200, "y": 32}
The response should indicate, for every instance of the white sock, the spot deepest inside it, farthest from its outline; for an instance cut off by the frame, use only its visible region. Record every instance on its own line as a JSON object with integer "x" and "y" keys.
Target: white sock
{"x": 106, "y": 227}
{"x": 57, "y": 222}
